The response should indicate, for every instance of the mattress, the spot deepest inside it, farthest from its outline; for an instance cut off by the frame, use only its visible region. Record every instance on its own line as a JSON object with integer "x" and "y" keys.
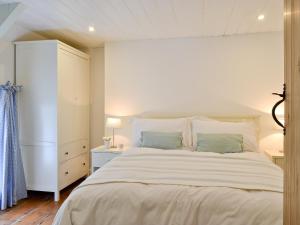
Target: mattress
{"x": 175, "y": 187}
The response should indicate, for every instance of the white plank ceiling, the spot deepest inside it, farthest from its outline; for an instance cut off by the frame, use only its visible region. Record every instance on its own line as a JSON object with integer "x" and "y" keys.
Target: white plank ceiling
{"x": 113, "y": 20}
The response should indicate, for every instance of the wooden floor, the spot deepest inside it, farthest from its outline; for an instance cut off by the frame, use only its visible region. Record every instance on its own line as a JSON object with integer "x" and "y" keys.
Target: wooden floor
{"x": 38, "y": 209}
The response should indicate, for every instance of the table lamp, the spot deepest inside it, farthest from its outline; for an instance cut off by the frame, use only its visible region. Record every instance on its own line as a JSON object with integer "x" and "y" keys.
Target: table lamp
{"x": 113, "y": 122}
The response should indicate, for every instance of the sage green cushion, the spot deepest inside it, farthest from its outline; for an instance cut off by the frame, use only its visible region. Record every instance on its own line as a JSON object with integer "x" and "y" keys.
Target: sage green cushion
{"x": 163, "y": 140}
{"x": 220, "y": 143}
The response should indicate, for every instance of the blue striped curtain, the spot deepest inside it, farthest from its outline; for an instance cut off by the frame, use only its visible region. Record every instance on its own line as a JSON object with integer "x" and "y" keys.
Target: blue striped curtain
{"x": 12, "y": 180}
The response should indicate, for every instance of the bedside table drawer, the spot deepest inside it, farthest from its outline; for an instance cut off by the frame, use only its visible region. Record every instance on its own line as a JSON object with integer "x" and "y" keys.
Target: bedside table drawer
{"x": 277, "y": 157}
{"x": 279, "y": 162}
{"x": 100, "y": 159}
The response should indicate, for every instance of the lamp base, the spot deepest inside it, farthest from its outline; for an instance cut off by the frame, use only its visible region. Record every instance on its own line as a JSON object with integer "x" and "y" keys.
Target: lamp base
{"x": 113, "y": 146}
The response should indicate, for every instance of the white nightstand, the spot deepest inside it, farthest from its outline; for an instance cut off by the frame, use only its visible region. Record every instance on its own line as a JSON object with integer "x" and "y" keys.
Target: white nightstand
{"x": 276, "y": 157}
{"x": 101, "y": 155}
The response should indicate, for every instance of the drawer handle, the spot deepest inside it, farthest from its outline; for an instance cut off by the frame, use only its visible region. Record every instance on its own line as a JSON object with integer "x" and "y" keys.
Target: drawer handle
{"x": 83, "y": 164}
{"x": 84, "y": 146}
{"x": 66, "y": 153}
{"x": 67, "y": 172}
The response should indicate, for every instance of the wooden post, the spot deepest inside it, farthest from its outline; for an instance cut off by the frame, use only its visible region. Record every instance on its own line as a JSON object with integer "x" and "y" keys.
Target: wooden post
{"x": 292, "y": 113}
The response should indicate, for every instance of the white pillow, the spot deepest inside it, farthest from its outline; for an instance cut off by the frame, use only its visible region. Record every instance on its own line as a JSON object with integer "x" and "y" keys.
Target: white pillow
{"x": 247, "y": 129}
{"x": 163, "y": 125}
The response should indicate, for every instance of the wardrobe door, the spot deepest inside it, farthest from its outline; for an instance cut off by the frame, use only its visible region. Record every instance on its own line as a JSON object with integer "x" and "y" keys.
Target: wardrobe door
{"x": 67, "y": 102}
{"x": 83, "y": 96}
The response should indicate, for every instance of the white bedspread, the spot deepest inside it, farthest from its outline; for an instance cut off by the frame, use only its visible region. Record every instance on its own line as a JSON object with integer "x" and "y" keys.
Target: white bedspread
{"x": 156, "y": 187}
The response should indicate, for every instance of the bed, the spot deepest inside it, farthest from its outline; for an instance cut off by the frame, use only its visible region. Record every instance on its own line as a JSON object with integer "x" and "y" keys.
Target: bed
{"x": 146, "y": 186}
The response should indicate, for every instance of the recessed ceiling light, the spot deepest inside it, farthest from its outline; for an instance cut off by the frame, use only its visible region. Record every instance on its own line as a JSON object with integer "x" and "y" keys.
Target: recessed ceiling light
{"x": 261, "y": 17}
{"x": 91, "y": 29}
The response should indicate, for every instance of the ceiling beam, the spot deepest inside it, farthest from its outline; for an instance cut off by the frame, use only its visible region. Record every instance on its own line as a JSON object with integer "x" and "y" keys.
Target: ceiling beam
{"x": 9, "y": 13}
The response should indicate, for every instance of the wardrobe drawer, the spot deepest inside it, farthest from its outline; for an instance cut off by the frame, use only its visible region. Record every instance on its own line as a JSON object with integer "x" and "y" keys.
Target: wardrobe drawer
{"x": 73, "y": 149}
{"x": 72, "y": 170}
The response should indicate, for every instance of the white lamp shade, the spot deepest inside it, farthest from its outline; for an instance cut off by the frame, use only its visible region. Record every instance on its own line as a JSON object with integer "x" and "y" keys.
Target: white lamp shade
{"x": 113, "y": 122}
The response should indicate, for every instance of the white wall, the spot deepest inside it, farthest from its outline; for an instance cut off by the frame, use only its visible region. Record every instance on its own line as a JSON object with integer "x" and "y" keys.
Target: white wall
{"x": 97, "y": 97}
{"x": 227, "y": 76}
{"x": 7, "y": 50}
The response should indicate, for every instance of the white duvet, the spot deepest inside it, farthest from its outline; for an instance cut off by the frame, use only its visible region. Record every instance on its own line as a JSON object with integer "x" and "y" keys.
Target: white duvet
{"x": 175, "y": 187}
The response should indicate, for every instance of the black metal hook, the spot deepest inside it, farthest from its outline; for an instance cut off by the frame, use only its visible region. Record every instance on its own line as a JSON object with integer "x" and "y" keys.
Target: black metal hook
{"x": 283, "y": 96}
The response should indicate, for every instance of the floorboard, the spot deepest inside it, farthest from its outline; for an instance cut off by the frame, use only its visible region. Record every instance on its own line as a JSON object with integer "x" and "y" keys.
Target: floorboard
{"x": 38, "y": 209}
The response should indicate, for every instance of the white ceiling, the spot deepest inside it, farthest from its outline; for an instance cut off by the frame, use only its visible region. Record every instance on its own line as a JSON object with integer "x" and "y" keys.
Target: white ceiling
{"x": 147, "y": 19}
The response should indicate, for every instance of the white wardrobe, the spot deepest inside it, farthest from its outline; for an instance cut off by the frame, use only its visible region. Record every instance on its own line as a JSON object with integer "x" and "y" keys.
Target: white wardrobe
{"x": 53, "y": 113}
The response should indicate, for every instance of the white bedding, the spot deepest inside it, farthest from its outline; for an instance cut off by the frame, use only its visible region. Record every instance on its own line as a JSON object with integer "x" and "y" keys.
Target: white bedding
{"x": 175, "y": 187}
